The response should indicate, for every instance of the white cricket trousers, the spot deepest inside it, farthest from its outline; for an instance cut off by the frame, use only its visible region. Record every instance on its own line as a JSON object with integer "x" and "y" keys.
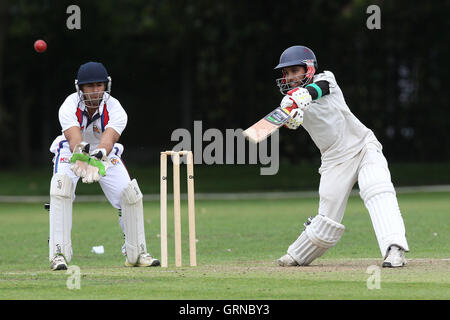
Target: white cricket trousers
{"x": 370, "y": 169}
{"x": 112, "y": 184}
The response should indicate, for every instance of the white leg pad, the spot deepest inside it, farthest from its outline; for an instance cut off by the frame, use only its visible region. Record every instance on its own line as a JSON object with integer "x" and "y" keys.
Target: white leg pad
{"x": 322, "y": 234}
{"x": 378, "y": 194}
{"x": 61, "y": 198}
{"x": 133, "y": 221}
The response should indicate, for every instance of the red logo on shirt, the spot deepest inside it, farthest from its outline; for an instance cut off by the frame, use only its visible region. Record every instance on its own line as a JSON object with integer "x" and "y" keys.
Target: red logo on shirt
{"x": 64, "y": 160}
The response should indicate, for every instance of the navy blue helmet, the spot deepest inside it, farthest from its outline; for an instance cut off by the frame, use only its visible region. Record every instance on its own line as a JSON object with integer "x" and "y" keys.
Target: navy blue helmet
{"x": 296, "y": 56}
{"x": 93, "y": 72}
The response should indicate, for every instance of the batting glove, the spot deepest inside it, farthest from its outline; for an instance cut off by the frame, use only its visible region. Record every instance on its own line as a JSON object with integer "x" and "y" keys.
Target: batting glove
{"x": 295, "y": 119}
{"x": 296, "y": 98}
{"x": 80, "y": 159}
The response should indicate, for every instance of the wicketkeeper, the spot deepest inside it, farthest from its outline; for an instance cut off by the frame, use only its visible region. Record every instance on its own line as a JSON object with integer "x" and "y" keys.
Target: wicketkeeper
{"x": 92, "y": 122}
{"x": 350, "y": 153}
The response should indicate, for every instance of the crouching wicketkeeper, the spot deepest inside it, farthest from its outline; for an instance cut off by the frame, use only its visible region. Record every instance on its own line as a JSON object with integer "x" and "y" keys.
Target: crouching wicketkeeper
{"x": 92, "y": 122}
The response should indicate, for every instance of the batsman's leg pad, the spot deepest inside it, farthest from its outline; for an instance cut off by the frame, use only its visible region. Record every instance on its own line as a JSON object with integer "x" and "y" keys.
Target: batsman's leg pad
{"x": 378, "y": 194}
{"x": 133, "y": 221}
{"x": 320, "y": 235}
{"x": 61, "y": 198}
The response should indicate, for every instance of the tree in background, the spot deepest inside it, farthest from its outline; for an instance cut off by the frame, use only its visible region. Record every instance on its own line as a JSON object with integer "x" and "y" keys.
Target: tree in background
{"x": 173, "y": 62}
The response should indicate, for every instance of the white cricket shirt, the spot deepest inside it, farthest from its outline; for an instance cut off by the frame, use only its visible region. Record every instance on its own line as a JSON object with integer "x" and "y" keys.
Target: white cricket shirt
{"x": 73, "y": 113}
{"x": 337, "y": 133}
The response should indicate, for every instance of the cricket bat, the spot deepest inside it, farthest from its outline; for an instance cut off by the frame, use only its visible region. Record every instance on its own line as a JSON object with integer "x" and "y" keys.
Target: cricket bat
{"x": 266, "y": 126}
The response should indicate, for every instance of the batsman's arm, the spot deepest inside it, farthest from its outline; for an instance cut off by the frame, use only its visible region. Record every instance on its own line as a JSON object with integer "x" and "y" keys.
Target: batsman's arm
{"x": 301, "y": 97}
{"x": 318, "y": 89}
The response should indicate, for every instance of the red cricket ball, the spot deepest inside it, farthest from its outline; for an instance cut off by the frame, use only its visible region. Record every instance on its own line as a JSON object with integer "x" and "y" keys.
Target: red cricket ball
{"x": 40, "y": 46}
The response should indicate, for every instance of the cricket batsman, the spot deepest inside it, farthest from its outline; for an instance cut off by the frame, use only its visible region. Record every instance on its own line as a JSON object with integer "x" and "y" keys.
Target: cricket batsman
{"x": 350, "y": 153}
{"x": 92, "y": 122}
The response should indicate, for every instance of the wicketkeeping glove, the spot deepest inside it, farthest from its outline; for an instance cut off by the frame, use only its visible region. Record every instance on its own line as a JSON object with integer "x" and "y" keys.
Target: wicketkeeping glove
{"x": 297, "y": 98}
{"x": 80, "y": 159}
{"x": 97, "y": 165}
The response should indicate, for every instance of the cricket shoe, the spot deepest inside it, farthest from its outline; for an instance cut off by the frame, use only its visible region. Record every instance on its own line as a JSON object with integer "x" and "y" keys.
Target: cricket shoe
{"x": 145, "y": 260}
{"x": 58, "y": 263}
{"x": 287, "y": 261}
{"x": 395, "y": 258}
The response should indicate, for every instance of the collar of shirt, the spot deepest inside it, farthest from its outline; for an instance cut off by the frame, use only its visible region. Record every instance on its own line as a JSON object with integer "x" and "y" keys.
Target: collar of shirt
{"x": 98, "y": 113}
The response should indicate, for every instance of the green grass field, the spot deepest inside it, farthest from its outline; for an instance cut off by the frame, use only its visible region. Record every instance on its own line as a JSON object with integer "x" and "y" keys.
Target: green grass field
{"x": 238, "y": 243}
